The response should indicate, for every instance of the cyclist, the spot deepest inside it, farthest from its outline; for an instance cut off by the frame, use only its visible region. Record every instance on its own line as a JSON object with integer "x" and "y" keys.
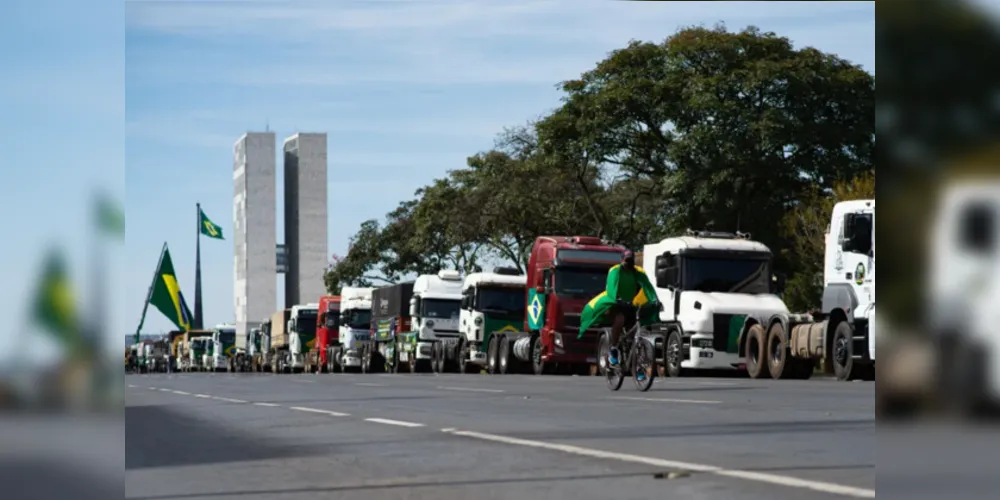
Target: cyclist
{"x": 626, "y": 283}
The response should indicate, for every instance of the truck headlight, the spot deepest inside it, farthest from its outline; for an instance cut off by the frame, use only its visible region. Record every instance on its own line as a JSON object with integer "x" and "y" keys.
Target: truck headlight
{"x": 479, "y": 321}
{"x": 429, "y": 323}
{"x": 558, "y": 339}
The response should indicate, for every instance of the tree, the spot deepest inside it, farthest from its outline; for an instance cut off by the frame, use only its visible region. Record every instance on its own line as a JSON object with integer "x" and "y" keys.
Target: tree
{"x": 734, "y": 125}
{"x": 805, "y": 226}
{"x": 356, "y": 268}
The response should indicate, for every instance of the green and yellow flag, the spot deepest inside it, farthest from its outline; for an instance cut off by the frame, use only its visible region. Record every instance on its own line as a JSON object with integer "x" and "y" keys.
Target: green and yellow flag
{"x": 597, "y": 309}
{"x": 166, "y": 294}
{"x": 209, "y": 228}
{"x": 110, "y": 217}
{"x": 55, "y": 307}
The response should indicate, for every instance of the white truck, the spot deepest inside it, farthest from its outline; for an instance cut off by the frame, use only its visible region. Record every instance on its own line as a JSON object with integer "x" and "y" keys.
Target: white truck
{"x": 491, "y": 302}
{"x": 355, "y": 328}
{"x": 222, "y": 347}
{"x": 434, "y": 312}
{"x": 301, "y": 329}
{"x": 955, "y": 366}
{"x": 715, "y": 288}
{"x": 197, "y": 353}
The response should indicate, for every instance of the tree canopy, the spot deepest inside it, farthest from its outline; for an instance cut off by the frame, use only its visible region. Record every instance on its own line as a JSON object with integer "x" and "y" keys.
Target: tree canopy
{"x": 708, "y": 129}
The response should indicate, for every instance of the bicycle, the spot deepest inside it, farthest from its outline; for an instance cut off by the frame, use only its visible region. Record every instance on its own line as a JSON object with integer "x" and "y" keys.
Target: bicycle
{"x": 635, "y": 350}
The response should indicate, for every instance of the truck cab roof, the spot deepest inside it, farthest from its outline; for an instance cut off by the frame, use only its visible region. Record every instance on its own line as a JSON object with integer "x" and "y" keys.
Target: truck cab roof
{"x": 446, "y": 284}
{"x": 480, "y": 279}
{"x": 705, "y": 241}
{"x": 304, "y": 307}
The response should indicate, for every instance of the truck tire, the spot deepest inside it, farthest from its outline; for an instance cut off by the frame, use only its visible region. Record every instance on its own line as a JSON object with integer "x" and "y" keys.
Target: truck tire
{"x": 779, "y": 360}
{"x": 755, "y": 352}
{"x": 504, "y": 356}
{"x": 673, "y": 355}
{"x": 537, "y": 365}
{"x": 436, "y": 357}
{"x": 492, "y": 366}
{"x": 842, "y": 351}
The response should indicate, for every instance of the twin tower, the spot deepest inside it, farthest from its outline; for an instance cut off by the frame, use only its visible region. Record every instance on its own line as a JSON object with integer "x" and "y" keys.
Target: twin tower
{"x": 258, "y": 257}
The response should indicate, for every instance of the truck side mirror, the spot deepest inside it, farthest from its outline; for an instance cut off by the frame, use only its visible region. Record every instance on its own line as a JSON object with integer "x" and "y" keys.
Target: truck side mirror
{"x": 413, "y": 307}
{"x": 290, "y": 326}
{"x": 778, "y": 283}
{"x": 540, "y": 289}
{"x": 666, "y": 278}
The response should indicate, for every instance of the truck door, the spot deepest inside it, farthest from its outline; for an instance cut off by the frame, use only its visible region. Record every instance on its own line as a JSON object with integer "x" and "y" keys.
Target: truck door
{"x": 667, "y": 281}
{"x": 856, "y": 259}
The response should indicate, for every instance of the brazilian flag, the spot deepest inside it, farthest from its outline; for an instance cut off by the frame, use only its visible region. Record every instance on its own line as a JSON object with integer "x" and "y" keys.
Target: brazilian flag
{"x": 54, "y": 306}
{"x": 207, "y": 227}
{"x": 166, "y": 294}
{"x": 597, "y": 309}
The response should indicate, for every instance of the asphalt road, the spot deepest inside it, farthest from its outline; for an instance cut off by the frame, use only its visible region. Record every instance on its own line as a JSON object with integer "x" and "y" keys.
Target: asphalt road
{"x": 444, "y": 437}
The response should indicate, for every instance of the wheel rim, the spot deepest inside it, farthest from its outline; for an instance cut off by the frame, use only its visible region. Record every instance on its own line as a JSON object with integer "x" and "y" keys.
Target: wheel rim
{"x": 754, "y": 348}
{"x": 536, "y": 353}
{"x": 776, "y": 352}
{"x": 674, "y": 354}
{"x": 840, "y": 351}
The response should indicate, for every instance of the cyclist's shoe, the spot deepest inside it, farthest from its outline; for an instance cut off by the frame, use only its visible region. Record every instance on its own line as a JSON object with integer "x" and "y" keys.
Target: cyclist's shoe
{"x": 640, "y": 374}
{"x": 613, "y": 357}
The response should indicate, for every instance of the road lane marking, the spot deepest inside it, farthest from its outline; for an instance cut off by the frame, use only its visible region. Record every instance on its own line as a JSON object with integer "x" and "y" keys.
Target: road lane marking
{"x": 165, "y": 390}
{"x": 131, "y": 386}
{"x": 670, "y": 400}
{"x": 152, "y": 388}
{"x": 269, "y": 405}
{"x": 369, "y": 384}
{"x": 203, "y": 396}
{"x": 182, "y": 393}
{"x": 761, "y": 477}
{"x": 471, "y": 389}
{"x": 398, "y": 423}
{"x": 231, "y": 400}
{"x": 324, "y": 412}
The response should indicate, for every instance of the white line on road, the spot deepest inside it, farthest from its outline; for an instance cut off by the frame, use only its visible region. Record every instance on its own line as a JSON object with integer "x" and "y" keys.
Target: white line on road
{"x": 182, "y": 393}
{"x": 762, "y": 477}
{"x": 325, "y": 412}
{"x": 368, "y": 384}
{"x": 165, "y": 390}
{"x": 470, "y": 389}
{"x": 669, "y": 400}
{"x": 203, "y": 396}
{"x": 399, "y": 423}
{"x": 131, "y": 386}
{"x": 269, "y": 405}
{"x": 152, "y": 388}
{"x": 231, "y": 400}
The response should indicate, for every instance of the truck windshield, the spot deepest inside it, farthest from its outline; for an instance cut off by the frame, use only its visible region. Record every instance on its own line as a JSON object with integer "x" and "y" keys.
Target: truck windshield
{"x": 502, "y": 299}
{"x": 707, "y": 274}
{"x": 227, "y": 336}
{"x": 581, "y": 283}
{"x": 439, "y": 308}
{"x": 306, "y": 324}
{"x": 359, "y": 319}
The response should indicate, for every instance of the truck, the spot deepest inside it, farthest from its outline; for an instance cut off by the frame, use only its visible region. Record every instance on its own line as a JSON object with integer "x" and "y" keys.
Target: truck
{"x": 718, "y": 293}
{"x": 327, "y": 331}
{"x": 433, "y": 336}
{"x": 354, "y": 329}
{"x": 491, "y": 302}
{"x": 841, "y": 334}
{"x": 197, "y": 347}
{"x": 563, "y": 274}
{"x": 301, "y": 329}
{"x": 253, "y": 357}
{"x": 222, "y": 347}
{"x": 388, "y": 329}
{"x": 277, "y": 355}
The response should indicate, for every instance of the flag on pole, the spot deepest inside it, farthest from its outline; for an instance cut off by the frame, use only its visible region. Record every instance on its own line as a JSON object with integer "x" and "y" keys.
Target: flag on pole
{"x": 209, "y": 228}
{"x": 55, "y": 307}
{"x": 166, "y": 294}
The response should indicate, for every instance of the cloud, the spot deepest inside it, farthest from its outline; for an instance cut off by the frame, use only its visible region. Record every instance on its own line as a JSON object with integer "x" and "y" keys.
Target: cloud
{"x": 444, "y": 42}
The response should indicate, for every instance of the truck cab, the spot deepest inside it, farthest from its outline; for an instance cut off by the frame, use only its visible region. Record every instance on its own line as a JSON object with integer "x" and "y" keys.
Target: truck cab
{"x": 354, "y": 325}
{"x": 223, "y": 346}
{"x": 434, "y": 313}
{"x": 327, "y": 328}
{"x": 491, "y": 302}
{"x": 713, "y": 287}
{"x": 564, "y": 273}
{"x": 301, "y": 329}
{"x": 197, "y": 353}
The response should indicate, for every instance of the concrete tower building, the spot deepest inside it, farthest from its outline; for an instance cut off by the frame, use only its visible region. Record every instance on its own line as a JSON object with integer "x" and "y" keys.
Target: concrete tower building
{"x": 305, "y": 217}
{"x": 254, "y": 229}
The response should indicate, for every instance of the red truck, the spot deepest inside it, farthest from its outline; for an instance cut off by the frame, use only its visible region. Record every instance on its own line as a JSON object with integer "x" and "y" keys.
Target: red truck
{"x": 564, "y": 273}
{"x": 327, "y": 330}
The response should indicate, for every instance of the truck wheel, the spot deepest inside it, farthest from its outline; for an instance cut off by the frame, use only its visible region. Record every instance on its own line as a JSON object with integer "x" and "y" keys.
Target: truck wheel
{"x": 842, "y": 352}
{"x": 437, "y": 359}
{"x": 464, "y": 366}
{"x": 503, "y": 356}
{"x": 755, "y": 352}
{"x": 537, "y": 365}
{"x": 491, "y": 356}
{"x": 779, "y": 361}
{"x": 673, "y": 355}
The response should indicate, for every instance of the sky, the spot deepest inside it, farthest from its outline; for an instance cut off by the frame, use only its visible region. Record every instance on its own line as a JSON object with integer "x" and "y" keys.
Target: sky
{"x": 405, "y": 90}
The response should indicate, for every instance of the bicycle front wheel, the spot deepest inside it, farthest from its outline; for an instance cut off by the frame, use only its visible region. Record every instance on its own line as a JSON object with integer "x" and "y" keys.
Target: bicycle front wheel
{"x": 644, "y": 366}
{"x": 614, "y": 374}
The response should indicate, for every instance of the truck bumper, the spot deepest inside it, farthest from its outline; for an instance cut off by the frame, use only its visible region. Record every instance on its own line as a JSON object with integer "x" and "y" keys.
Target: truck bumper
{"x": 710, "y": 359}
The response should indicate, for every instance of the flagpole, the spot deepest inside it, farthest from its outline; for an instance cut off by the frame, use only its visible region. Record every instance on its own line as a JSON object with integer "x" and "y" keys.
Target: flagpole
{"x": 149, "y": 294}
{"x": 197, "y": 274}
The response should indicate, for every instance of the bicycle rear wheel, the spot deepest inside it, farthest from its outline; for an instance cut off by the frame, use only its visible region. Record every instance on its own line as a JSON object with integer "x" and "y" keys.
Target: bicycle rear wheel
{"x": 643, "y": 366}
{"x": 614, "y": 374}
